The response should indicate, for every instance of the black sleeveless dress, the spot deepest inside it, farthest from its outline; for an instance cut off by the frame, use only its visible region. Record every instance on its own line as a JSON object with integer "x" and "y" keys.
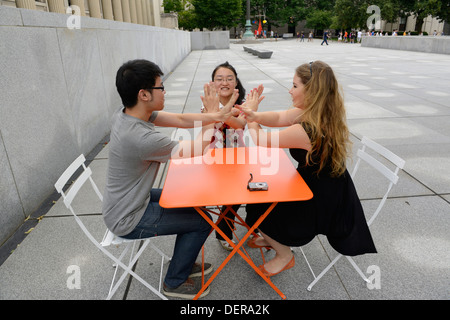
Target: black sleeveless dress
{"x": 335, "y": 211}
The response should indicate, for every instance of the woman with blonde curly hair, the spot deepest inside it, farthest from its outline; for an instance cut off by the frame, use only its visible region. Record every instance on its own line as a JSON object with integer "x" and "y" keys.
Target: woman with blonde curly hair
{"x": 317, "y": 136}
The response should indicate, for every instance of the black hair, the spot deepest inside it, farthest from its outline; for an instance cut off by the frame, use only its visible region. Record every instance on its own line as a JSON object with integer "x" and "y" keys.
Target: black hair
{"x": 239, "y": 85}
{"x": 133, "y": 76}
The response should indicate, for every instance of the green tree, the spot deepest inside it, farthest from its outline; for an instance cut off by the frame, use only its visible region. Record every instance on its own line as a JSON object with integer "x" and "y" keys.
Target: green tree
{"x": 186, "y": 16}
{"x": 173, "y": 5}
{"x": 443, "y": 13}
{"x": 350, "y": 14}
{"x": 322, "y": 5}
{"x": 187, "y": 19}
{"x": 435, "y": 8}
{"x": 214, "y": 14}
{"x": 280, "y": 12}
{"x": 319, "y": 20}
{"x": 392, "y": 9}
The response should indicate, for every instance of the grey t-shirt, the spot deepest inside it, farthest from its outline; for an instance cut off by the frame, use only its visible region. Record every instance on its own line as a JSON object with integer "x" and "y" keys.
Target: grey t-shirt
{"x": 136, "y": 150}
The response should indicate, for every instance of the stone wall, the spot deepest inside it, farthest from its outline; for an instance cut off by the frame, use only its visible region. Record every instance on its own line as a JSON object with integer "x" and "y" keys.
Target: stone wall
{"x": 57, "y": 95}
{"x": 439, "y": 44}
{"x": 210, "y": 40}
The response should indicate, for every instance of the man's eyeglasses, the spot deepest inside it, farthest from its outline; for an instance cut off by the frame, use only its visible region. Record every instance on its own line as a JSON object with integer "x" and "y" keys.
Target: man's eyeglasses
{"x": 160, "y": 88}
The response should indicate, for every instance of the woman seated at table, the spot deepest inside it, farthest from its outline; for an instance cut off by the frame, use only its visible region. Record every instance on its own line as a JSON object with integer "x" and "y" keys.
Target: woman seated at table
{"x": 228, "y": 134}
{"x": 318, "y": 138}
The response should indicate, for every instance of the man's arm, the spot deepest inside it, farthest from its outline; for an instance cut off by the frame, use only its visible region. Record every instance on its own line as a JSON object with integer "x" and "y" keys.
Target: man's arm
{"x": 197, "y": 147}
{"x": 238, "y": 122}
{"x": 187, "y": 120}
{"x": 184, "y": 120}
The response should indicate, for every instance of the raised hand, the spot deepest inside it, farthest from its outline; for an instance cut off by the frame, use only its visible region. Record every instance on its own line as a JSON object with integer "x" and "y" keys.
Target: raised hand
{"x": 227, "y": 110}
{"x": 251, "y": 104}
{"x": 254, "y": 98}
{"x": 248, "y": 113}
{"x": 211, "y": 98}
{"x": 260, "y": 90}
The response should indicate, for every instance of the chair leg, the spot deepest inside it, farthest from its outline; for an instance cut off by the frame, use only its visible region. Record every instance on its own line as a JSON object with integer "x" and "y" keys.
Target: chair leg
{"x": 358, "y": 269}
{"x": 160, "y": 273}
{"x": 162, "y": 254}
{"x": 352, "y": 262}
{"x": 307, "y": 262}
{"x": 324, "y": 271}
{"x": 132, "y": 261}
{"x": 116, "y": 266}
{"x": 128, "y": 270}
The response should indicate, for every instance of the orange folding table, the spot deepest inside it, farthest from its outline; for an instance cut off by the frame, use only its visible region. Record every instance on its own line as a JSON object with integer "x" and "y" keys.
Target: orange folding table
{"x": 220, "y": 177}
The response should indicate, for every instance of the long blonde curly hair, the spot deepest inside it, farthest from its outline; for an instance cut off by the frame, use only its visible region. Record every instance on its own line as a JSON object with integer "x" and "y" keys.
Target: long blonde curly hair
{"x": 324, "y": 117}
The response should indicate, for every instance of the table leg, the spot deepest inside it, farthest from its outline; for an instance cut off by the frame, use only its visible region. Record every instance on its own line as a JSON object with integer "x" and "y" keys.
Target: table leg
{"x": 244, "y": 224}
{"x": 236, "y": 249}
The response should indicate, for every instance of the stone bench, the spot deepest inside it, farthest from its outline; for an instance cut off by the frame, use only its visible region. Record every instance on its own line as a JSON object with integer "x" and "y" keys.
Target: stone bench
{"x": 250, "y": 50}
{"x": 261, "y": 53}
{"x": 264, "y": 54}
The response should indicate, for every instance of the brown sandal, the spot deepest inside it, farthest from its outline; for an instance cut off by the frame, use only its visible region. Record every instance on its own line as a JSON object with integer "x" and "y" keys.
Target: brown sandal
{"x": 252, "y": 244}
{"x": 289, "y": 265}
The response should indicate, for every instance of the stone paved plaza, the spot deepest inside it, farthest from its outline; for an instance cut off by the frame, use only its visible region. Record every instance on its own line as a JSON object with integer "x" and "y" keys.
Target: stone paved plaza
{"x": 400, "y": 99}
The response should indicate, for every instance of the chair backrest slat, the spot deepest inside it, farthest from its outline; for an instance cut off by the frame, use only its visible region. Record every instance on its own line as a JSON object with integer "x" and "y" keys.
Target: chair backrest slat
{"x": 388, "y": 173}
{"x": 59, "y": 185}
{"x": 391, "y": 175}
{"x": 399, "y": 162}
{"x": 77, "y": 186}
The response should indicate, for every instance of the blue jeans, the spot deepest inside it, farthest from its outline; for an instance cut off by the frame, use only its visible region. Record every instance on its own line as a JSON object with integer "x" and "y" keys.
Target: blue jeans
{"x": 189, "y": 226}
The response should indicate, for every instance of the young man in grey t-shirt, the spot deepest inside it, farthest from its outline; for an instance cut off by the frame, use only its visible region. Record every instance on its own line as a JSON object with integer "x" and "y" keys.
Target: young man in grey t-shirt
{"x": 131, "y": 207}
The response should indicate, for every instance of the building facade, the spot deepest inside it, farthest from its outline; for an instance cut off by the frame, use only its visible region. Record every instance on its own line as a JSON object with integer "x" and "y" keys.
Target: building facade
{"x": 146, "y": 12}
{"x": 408, "y": 24}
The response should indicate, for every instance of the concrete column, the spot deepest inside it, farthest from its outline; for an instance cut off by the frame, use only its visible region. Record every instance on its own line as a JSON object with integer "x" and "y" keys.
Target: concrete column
{"x": 80, "y": 4}
{"x": 26, "y": 4}
{"x": 107, "y": 10}
{"x": 151, "y": 20}
{"x": 126, "y": 10}
{"x": 94, "y": 8}
{"x": 56, "y": 6}
{"x": 140, "y": 17}
{"x": 144, "y": 12}
{"x": 157, "y": 10}
{"x": 117, "y": 9}
{"x": 133, "y": 12}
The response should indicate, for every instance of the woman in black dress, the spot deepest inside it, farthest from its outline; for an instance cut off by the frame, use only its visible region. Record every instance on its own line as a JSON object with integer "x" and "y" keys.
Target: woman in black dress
{"x": 317, "y": 137}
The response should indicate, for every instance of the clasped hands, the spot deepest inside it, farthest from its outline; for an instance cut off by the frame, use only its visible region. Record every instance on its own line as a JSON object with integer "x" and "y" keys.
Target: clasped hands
{"x": 247, "y": 109}
{"x": 250, "y": 106}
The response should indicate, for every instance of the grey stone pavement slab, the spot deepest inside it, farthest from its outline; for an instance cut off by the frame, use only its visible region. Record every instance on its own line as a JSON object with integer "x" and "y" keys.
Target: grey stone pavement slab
{"x": 399, "y": 99}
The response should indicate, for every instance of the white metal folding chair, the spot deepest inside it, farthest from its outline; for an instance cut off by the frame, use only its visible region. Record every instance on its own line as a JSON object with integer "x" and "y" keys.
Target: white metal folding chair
{"x": 391, "y": 175}
{"x": 109, "y": 238}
